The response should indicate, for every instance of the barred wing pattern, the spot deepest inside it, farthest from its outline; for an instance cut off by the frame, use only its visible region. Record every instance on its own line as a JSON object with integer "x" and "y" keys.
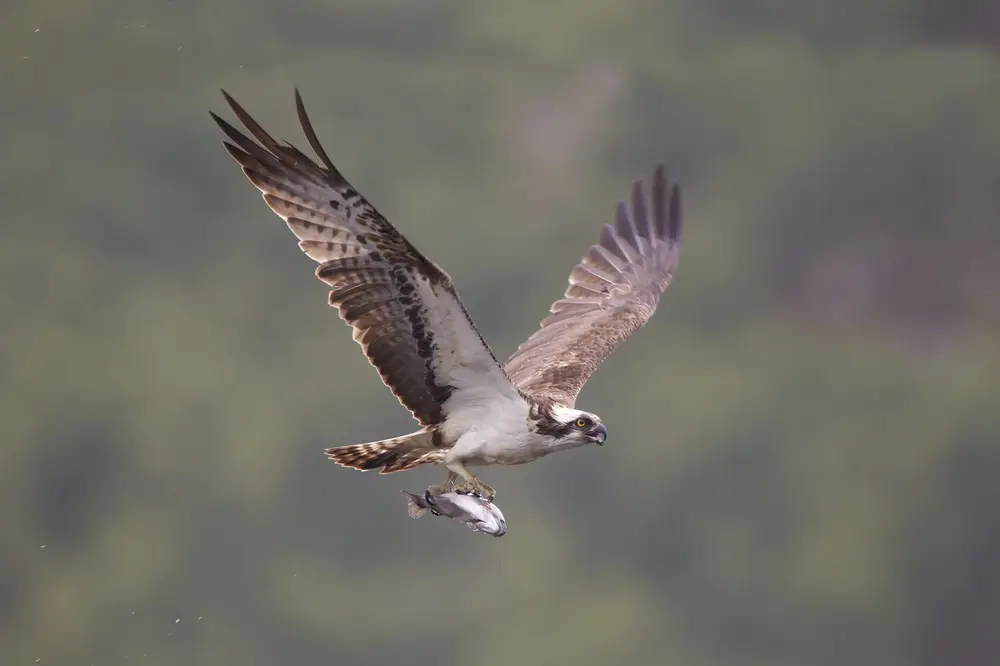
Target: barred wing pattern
{"x": 612, "y": 293}
{"x": 405, "y": 311}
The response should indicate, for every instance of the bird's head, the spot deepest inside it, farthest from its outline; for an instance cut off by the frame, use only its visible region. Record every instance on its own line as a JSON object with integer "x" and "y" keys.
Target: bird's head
{"x": 573, "y": 427}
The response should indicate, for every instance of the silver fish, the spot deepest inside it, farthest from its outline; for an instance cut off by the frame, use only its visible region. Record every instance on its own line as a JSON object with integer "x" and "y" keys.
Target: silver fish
{"x": 478, "y": 513}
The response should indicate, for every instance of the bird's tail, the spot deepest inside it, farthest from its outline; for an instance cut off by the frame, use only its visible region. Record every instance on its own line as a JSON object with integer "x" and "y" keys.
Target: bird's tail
{"x": 390, "y": 455}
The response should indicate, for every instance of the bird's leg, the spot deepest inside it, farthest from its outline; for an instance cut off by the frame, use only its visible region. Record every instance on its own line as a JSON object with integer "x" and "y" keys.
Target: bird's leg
{"x": 446, "y": 487}
{"x": 471, "y": 483}
{"x": 481, "y": 489}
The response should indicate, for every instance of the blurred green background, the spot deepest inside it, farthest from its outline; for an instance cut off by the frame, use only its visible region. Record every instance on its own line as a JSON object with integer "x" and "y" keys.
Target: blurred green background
{"x": 804, "y": 463}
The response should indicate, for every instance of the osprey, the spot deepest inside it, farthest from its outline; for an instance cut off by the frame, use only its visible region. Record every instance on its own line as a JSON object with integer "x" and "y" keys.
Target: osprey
{"x": 410, "y": 322}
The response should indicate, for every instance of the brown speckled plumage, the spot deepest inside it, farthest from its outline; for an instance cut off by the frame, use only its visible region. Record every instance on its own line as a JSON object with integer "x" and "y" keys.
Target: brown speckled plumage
{"x": 391, "y": 455}
{"x": 373, "y": 271}
{"x": 613, "y": 292}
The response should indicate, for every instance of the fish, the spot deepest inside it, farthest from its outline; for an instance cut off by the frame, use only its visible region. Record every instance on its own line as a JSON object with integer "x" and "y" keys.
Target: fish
{"x": 478, "y": 513}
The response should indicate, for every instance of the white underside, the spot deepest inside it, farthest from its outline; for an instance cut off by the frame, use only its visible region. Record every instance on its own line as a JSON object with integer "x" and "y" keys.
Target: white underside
{"x": 490, "y": 430}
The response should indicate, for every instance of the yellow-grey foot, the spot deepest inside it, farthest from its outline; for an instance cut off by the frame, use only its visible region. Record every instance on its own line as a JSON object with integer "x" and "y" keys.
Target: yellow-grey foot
{"x": 446, "y": 487}
{"x": 476, "y": 487}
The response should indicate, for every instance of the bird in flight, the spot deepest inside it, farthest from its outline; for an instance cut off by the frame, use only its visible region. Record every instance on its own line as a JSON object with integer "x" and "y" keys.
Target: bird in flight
{"x": 411, "y": 324}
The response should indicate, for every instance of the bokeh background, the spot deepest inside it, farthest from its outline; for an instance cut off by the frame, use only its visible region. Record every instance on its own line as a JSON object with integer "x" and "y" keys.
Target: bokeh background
{"x": 804, "y": 466}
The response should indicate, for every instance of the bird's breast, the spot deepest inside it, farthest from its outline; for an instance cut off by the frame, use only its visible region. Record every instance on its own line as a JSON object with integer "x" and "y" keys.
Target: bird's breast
{"x": 511, "y": 449}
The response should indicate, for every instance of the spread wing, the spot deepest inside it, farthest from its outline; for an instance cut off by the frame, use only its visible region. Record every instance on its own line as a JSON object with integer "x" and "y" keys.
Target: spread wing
{"x": 405, "y": 311}
{"x": 612, "y": 293}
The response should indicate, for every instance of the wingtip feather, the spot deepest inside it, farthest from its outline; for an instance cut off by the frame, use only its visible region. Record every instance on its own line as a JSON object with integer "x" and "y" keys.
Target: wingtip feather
{"x": 641, "y": 224}
{"x": 311, "y": 137}
{"x": 676, "y": 215}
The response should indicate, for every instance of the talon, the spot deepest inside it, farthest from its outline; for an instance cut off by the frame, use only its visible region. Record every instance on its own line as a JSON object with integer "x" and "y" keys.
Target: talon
{"x": 448, "y": 486}
{"x": 476, "y": 487}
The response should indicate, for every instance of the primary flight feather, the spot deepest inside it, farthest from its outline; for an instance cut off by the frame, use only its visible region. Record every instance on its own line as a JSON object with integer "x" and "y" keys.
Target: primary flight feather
{"x": 410, "y": 322}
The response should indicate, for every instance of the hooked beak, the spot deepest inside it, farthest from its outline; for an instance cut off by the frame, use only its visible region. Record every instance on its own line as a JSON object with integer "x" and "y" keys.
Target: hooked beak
{"x": 598, "y": 434}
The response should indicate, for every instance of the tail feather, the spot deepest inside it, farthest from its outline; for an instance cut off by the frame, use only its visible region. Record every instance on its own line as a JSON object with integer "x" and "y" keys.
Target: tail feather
{"x": 413, "y": 459}
{"x": 389, "y": 455}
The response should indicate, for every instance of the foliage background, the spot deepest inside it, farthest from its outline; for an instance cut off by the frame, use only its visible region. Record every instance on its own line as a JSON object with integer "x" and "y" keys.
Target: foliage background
{"x": 805, "y": 442}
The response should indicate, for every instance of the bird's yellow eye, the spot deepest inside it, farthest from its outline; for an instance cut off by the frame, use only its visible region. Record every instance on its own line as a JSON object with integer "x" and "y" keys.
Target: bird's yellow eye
{"x": 581, "y": 423}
